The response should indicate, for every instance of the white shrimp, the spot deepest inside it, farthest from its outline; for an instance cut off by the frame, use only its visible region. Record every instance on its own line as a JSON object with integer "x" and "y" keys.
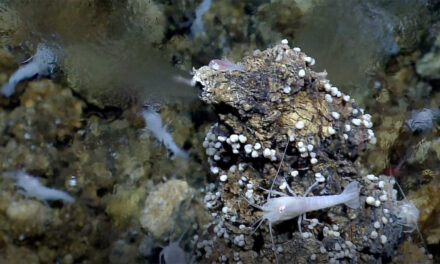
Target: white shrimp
{"x": 42, "y": 64}
{"x": 174, "y": 254}
{"x": 277, "y": 210}
{"x": 31, "y": 187}
{"x": 225, "y": 65}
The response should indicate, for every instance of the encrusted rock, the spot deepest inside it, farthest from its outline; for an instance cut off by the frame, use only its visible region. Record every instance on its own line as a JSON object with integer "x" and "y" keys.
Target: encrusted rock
{"x": 165, "y": 207}
{"x": 299, "y": 130}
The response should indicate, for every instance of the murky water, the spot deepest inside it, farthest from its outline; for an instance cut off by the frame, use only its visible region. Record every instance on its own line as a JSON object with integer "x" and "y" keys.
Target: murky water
{"x": 122, "y": 54}
{"x": 108, "y": 47}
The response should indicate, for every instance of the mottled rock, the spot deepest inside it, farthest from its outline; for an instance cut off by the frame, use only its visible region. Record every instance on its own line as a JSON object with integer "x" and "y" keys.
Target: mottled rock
{"x": 281, "y": 118}
{"x": 30, "y": 217}
{"x": 165, "y": 206}
{"x": 429, "y": 65}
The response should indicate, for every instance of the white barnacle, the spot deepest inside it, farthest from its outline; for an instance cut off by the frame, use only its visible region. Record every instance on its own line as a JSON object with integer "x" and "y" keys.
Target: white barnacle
{"x": 221, "y": 138}
{"x": 334, "y": 90}
{"x": 292, "y": 137}
{"x": 383, "y": 197}
{"x": 370, "y": 200}
{"x": 367, "y": 124}
{"x": 299, "y": 124}
{"x": 336, "y": 115}
{"x": 234, "y": 138}
{"x": 356, "y": 121}
{"x": 308, "y": 59}
{"x": 372, "y": 177}
{"x": 267, "y": 153}
{"x": 214, "y": 170}
{"x": 383, "y": 239}
{"x": 249, "y": 194}
{"x": 248, "y": 148}
{"x": 376, "y": 225}
{"x": 328, "y": 98}
{"x": 331, "y": 130}
{"x": 301, "y": 73}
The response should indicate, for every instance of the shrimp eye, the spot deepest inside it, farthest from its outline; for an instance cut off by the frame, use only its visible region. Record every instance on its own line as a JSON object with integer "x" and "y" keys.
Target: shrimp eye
{"x": 281, "y": 209}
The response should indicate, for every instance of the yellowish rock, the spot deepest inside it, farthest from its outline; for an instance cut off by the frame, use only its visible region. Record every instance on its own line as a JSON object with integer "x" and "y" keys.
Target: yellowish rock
{"x": 164, "y": 205}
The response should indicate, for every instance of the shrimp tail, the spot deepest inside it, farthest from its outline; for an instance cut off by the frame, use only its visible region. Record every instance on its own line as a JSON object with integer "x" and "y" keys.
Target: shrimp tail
{"x": 8, "y": 89}
{"x": 351, "y": 195}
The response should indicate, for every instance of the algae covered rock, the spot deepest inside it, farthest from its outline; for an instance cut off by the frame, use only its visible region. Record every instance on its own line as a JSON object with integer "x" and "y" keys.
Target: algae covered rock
{"x": 429, "y": 65}
{"x": 282, "y": 125}
{"x": 165, "y": 207}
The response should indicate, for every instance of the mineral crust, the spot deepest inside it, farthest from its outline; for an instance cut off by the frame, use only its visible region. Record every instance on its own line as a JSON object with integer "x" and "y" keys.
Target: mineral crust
{"x": 281, "y": 124}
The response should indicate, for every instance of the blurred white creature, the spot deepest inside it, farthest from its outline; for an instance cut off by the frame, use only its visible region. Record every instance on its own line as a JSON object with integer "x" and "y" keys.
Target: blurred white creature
{"x": 197, "y": 27}
{"x": 154, "y": 124}
{"x": 422, "y": 120}
{"x": 41, "y": 64}
{"x": 174, "y": 254}
{"x": 30, "y": 186}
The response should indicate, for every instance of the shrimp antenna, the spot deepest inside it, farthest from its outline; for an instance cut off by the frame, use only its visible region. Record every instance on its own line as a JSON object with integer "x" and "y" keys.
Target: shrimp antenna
{"x": 279, "y": 168}
{"x": 258, "y": 223}
{"x": 273, "y": 243}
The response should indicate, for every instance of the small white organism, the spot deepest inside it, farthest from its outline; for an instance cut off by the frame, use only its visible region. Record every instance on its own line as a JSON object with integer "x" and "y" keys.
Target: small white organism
{"x": 41, "y": 64}
{"x": 225, "y": 65}
{"x": 197, "y": 25}
{"x": 174, "y": 254}
{"x": 408, "y": 215}
{"x": 31, "y": 187}
{"x": 422, "y": 120}
{"x": 154, "y": 124}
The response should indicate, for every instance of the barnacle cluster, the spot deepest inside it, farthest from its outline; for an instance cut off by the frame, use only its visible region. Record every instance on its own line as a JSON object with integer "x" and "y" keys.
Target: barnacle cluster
{"x": 281, "y": 124}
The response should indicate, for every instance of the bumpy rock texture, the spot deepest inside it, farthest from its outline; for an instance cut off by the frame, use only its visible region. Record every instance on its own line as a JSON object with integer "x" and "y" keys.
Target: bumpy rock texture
{"x": 277, "y": 106}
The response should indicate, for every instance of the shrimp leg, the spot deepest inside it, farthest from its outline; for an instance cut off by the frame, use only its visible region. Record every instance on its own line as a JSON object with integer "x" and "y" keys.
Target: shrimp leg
{"x": 303, "y": 216}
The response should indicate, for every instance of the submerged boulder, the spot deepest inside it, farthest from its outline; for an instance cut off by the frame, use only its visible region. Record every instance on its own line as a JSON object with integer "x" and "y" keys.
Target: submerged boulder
{"x": 283, "y": 126}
